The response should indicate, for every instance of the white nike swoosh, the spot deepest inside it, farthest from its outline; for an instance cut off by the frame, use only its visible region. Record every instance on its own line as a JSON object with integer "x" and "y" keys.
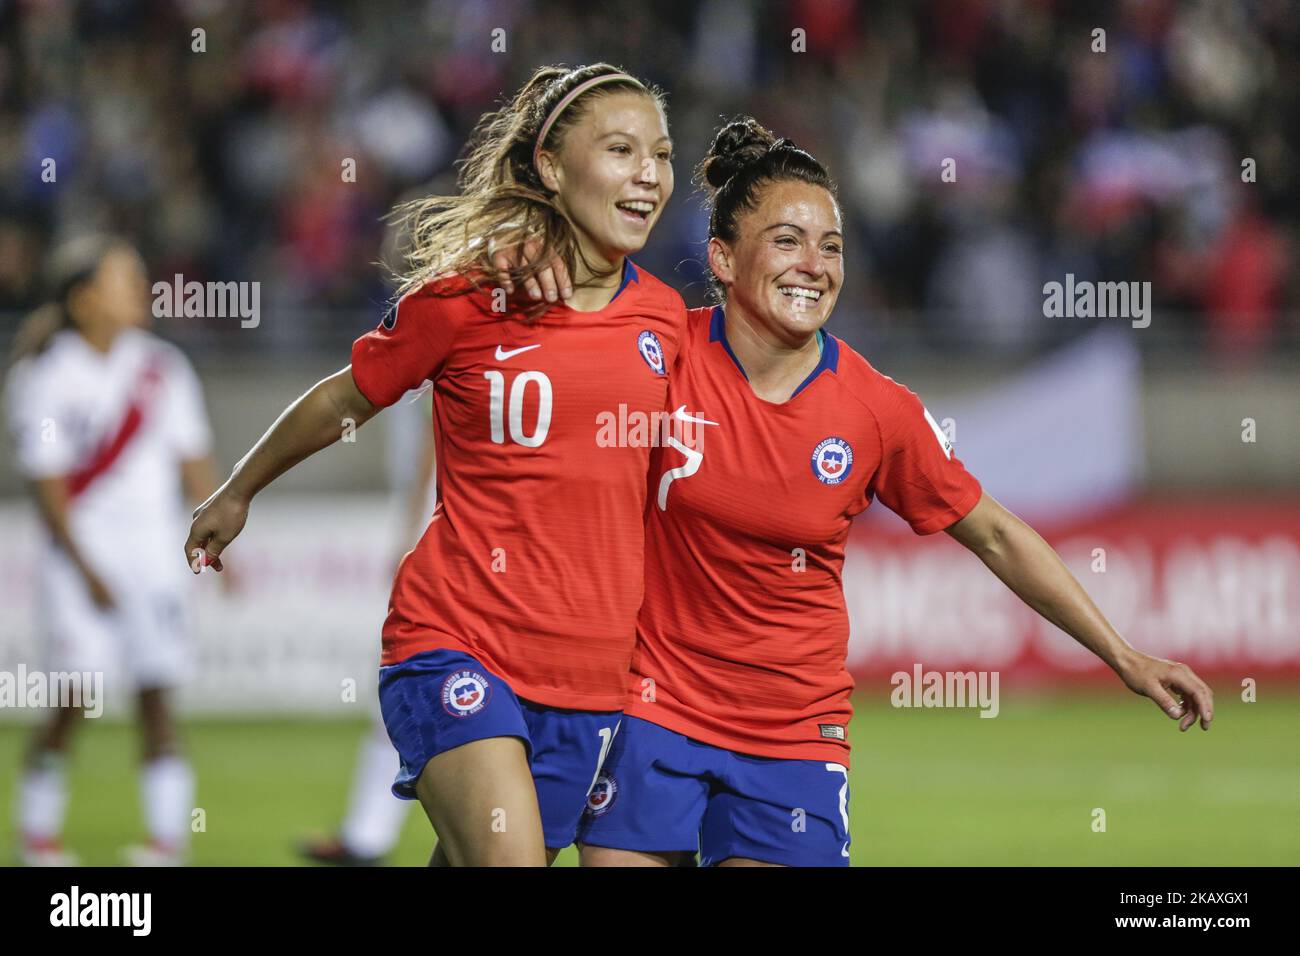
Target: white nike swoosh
{"x": 502, "y": 356}
{"x": 681, "y": 416}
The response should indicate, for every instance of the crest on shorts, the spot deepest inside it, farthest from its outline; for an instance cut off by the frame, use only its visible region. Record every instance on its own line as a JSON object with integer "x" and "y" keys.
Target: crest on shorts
{"x": 602, "y": 794}
{"x": 465, "y": 693}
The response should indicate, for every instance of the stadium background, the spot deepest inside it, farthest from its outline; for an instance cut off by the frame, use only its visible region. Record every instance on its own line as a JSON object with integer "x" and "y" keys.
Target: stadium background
{"x": 1126, "y": 165}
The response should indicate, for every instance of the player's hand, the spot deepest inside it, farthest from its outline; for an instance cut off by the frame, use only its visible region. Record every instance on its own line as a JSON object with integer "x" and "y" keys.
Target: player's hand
{"x": 99, "y": 592}
{"x": 216, "y": 523}
{"x": 551, "y": 283}
{"x": 1174, "y": 687}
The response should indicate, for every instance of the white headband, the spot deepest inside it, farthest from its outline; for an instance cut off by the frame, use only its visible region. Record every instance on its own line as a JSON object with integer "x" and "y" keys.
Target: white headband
{"x": 569, "y": 97}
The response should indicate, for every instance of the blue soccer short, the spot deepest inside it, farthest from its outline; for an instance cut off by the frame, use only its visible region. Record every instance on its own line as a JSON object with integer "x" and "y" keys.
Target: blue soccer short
{"x": 437, "y": 700}
{"x": 662, "y": 792}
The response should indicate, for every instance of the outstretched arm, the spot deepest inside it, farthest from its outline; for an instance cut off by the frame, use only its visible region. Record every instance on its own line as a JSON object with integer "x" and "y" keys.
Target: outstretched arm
{"x": 1030, "y": 567}
{"x": 311, "y": 423}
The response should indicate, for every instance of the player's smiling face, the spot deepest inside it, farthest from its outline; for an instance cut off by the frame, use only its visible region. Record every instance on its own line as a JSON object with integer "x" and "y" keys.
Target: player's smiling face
{"x": 613, "y": 173}
{"x": 787, "y": 264}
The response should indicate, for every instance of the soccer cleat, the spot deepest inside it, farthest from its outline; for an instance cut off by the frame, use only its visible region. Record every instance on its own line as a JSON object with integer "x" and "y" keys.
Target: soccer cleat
{"x": 153, "y": 853}
{"x": 334, "y": 851}
{"x": 45, "y": 851}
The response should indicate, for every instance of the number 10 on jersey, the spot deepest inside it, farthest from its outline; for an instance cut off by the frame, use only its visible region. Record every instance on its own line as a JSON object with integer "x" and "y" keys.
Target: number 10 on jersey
{"x": 497, "y": 401}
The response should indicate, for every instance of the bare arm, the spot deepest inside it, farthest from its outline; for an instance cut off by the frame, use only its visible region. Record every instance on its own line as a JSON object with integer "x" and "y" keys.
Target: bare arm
{"x": 52, "y": 497}
{"x": 315, "y": 421}
{"x": 1030, "y": 567}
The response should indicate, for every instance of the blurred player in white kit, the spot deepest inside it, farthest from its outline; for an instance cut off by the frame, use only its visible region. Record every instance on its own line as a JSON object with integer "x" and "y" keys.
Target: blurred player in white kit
{"x": 108, "y": 427}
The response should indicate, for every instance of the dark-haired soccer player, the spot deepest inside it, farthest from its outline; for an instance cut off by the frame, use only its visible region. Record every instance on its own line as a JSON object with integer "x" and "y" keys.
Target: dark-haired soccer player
{"x": 110, "y": 431}
{"x": 735, "y": 735}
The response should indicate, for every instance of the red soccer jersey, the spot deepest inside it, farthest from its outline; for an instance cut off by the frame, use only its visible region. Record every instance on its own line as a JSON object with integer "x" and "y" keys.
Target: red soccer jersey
{"x": 533, "y": 560}
{"x": 744, "y": 631}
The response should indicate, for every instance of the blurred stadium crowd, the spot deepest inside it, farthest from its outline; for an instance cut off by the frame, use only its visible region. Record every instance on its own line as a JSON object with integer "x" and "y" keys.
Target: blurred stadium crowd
{"x": 1116, "y": 166}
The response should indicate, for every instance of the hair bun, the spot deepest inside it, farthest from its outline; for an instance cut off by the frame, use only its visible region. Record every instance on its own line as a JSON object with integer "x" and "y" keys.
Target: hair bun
{"x": 740, "y": 143}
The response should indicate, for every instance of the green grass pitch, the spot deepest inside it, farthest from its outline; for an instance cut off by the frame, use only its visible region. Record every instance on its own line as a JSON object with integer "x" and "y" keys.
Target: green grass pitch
{"x": 927, "y": 786}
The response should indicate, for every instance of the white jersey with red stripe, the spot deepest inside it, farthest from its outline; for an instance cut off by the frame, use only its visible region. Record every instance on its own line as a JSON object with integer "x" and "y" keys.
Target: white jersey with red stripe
{"x": 116, "y": 425}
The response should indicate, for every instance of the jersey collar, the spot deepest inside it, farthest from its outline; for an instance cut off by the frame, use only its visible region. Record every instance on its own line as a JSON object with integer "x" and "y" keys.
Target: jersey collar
{"x": 629, "y": 275}
{"x": 830, "y": 349}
